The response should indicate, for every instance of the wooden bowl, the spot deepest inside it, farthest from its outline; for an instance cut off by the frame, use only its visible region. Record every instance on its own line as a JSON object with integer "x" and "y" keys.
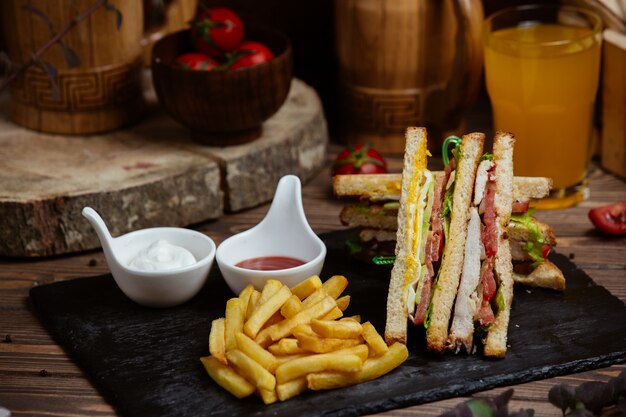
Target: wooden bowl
{"x": 222, "y": 107}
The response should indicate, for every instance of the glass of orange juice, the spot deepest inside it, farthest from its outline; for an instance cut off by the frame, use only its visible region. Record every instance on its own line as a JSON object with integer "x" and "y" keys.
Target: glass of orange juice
{"x": 542, "y": 67}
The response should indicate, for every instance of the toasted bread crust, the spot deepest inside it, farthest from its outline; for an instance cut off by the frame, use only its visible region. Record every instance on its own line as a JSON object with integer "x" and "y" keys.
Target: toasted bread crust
{"x": 445, "y": 288}
{"x": 372, "y": 186}
{"x": 546, "y": 275}
{"x": 413, "y": 170}
{"x": 387, "y": 186}
{"x": 373, "y": 216}
{"x": 495, "y": 342}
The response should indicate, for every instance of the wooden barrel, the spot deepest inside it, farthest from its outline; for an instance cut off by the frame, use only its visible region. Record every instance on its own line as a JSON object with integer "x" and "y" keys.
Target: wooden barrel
{"x": 406, "y": 63}
{"x": 101, "y": 94}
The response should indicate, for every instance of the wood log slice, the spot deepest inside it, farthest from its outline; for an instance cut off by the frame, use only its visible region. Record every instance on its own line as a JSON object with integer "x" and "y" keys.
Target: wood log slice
{"x": 148, "y": 175}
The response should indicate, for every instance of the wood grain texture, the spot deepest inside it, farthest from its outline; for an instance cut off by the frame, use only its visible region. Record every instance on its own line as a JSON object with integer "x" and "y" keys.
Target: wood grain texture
{"x": 614, "y": 103}
{"x": 101, "y": 94}
{"x": 152, "y": 170}
{"x": 68, "y": 392}
{"x": 404, "y": 63}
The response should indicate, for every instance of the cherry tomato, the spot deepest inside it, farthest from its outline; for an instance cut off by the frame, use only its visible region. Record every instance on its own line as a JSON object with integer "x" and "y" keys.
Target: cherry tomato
{"x": 195, "y": 61}
{"x": 362, "y": 159}
{"x": 217, "y": 31}
{"x": 610, "y": 219}
{"x": 250, "y": 54}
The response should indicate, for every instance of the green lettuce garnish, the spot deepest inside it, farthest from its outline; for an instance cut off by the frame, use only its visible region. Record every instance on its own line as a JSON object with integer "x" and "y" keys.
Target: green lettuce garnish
{"x": 534, "y": 245}
{"x": 446, "y": 210}
{"x": 486, "y": 157}
{"x": 500, "y": 299}
{"x": 362, "y": 209}
{"x": 353, "y": 245}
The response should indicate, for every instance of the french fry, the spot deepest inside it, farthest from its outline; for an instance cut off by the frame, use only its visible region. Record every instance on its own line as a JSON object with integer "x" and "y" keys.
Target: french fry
{"x": 276, "y": 318}
{"x": 291, "y": 307}
{"x": 244, "y": 296}
{"x": 270, "y": 288}
{"x": 251, "y": 370}
{"x": 291, "y": 388}
{"x": 264, "y": 311}
{"x": 314, "y": 298}
{"x": 374, "y": 339}
{"x": 337, "y": 329}
{"x": 324, "y": 344}
{"x": 286, "y": 358}
{"x": 356, "y": 318}
{"x": 285, "y": 327}
{"x": 263, "y": 338}
{"x": 335, "y": 285}
{"x": 317, "y": 363}
{"x": 304, "y": 328}
{"x": 333, "y": 314}
{"x": 217, "y": 343}
{"x": 227, "y": 378}
{"x": 254, "y": 299}
{"x": 286, "y": 346}
{"x": 307, "y": 287}
{"x": 233, "y": 322}
{"x": 343, "y": 302}
{"x": 256, "y": 352}
{"x": 362, "y": 351}
{"x": 268, "y": 396}
{"x": 372, "y": 368}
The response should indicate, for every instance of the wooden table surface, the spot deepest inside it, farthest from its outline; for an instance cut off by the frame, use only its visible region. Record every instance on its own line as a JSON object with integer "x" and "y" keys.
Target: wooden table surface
{"x": 26, "y": 349}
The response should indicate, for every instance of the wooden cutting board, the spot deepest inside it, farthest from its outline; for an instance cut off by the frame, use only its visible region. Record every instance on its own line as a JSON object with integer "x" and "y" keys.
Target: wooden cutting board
{"x": 150, "y": 174}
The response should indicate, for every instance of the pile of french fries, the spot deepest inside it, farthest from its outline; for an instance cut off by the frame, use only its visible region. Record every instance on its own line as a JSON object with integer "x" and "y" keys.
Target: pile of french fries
{"x": 280, "y": 342}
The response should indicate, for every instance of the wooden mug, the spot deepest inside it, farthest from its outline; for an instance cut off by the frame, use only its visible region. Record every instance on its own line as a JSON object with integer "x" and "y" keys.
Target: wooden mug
{"x": 406, "y": 63}
{"x": 104, "y": 92}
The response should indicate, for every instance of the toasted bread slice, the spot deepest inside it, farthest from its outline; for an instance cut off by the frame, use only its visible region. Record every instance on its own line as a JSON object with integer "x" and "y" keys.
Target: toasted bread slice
{"x": 446, "y": 285}
{"x": 370, "y": 216}
{"x": 404, "y": 267}
{"x": 378, "y": 187}
{"x": 379, "y": 235}
{"x": 546, "y": 275}
{"x": 495, "y": 342}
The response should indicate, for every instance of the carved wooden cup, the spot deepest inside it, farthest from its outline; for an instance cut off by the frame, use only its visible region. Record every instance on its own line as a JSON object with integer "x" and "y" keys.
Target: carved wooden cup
{"x": 406, "y": 63}
{"x": 102, "y": 93}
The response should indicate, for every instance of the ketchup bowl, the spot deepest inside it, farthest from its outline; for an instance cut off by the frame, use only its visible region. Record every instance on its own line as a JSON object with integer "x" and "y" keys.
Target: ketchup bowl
{"x": 284, "y": 235}
{"x": 134, "y": 260}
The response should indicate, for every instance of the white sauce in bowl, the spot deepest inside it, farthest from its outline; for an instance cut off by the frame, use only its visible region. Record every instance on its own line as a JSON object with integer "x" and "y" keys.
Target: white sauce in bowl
{"x": 162, "y": 256}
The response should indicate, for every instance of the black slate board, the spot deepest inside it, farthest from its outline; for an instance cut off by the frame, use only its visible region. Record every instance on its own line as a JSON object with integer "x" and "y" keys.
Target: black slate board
{"x": 145, "y": 361}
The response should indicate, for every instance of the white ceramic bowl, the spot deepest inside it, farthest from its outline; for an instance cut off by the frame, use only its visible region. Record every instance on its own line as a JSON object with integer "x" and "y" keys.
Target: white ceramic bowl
{"x": 155, "y": 288}
{"x": 283, "y": 232}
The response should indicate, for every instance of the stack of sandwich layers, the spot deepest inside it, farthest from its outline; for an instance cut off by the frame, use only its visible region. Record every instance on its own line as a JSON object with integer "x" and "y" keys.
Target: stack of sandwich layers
{"x": 456, "y": 241}
{"x": 375, "y": 214}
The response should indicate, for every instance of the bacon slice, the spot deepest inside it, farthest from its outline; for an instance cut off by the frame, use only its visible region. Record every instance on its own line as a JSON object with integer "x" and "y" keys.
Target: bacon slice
{"x": 520, "y": 207}
{"x": 420, "y": 311}
{"x": 434, "y": 243}
{"x": 490, "y": 231}
{"x": 485, "y": 314}
{"x": 487, "y": 279}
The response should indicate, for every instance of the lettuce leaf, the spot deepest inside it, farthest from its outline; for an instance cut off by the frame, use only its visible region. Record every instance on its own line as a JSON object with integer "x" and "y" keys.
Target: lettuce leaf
{"x": 534, "y": 245}
{"x": 486, "y": 157}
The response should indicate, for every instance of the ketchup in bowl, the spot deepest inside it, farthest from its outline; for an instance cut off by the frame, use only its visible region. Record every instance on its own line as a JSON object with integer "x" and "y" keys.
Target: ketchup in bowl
{"x": 270, "y": 263}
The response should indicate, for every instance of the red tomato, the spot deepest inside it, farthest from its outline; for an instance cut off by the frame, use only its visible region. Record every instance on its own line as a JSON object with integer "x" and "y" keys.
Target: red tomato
{"x": 250, "y": 54}
{"x": 217, "y": 31}
{"x": 195, "y": 61}
{"x": 610, "y": 219}
{"x": 359, "y": 160}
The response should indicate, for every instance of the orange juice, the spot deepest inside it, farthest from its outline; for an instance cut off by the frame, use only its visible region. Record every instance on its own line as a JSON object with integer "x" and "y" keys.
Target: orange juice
{"x": 542, "y": 80}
